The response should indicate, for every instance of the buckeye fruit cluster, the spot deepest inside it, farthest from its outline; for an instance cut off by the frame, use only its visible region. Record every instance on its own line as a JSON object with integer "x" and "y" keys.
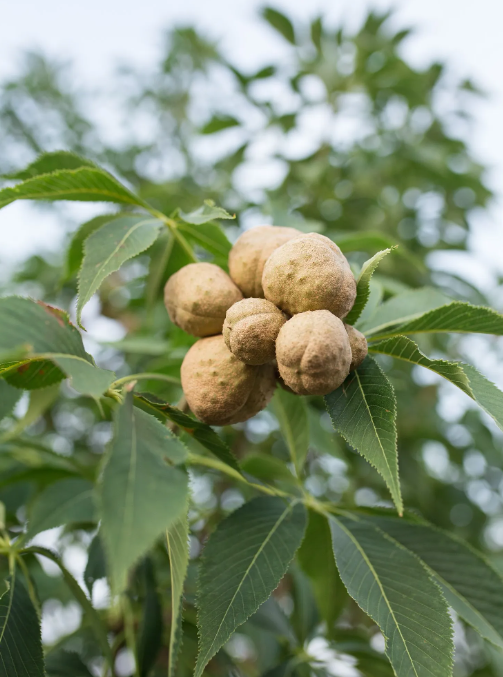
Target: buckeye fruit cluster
{"x": 277, "y": 317}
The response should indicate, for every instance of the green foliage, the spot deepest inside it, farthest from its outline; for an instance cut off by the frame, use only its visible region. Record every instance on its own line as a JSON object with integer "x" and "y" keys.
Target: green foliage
{"x": 229, "y": 595}
{"x": 83, "y": 184}
{"x": 178, "y": 548}
{"x": 208, "y": 212}
{"x": 455, "y": 567}
{"x": 363, "y": 286}
{"x": 66, "y": 502}
{"x": 363, "y": 411}
{"x": 142, "y": 492}
{"x": 464, "y": 376}
{"x": 20, "y": 640}
{"x": 377, "y": 573}
{"x": 291, "y": 412}
{"x": 258, "y": 572}
{"x": 109, "y": 247}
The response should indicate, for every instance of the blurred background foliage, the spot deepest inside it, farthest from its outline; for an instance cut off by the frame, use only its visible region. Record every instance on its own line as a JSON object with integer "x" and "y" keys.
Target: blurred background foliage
{"x": 342, "y": 137}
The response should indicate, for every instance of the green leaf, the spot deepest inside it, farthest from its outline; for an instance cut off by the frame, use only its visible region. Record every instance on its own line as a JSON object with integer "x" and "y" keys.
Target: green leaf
{"x": 218, "y": 123}
{"x": 43, "y": 328}
{"x": 50, "y": 162}
{"x": 291, "y": 412}
{"x": 199, "y": 431}
{"x": 141, "y": 492}
{"x": 151, "y": 625}
{"x": 363, "y": 285}
{"x": 457, "y": 316}
{"x": 280, "y": 23}
{"x": 178, "y": 548}
{"x": 243, "y": 562}
{"x": 404, "y": 307}
{"x": 485, "y": 393}
{"x": 267, "y": 468}
{"x": 66, "y": 664}
{"x": 87, "y": 184}
{"x": 96, "y": 567}
{"x": 392, "y": 586}
{"x": 211, "y": 238}
{"x": 208, "y": 212}
{"x": 109, "y": 247}
{"x": 394, "y": 317}
{"x": 40, "y": 401}
{"x": 85, "y": 377}
{"x": 75, "y": 252}
{"x": 66, "y": 502}
{"x": 317, "y": 561}
{"x": 53, "y": 347}
{"x": 8, "y": 398}
{"x": 363, "y": 411}
{"x": 20, "y": 639}
{"x": 464, "y": 376}
{"x": 470, "y": 585}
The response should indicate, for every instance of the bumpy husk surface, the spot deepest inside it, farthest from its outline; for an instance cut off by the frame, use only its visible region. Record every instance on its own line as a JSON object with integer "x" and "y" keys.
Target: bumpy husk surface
{"x": 309, "y": 273}
{"x": 359, "y": 347}
{"x": 313, "y": 353}
{"x": 198, "y": 296}
{"x": 248, "y": 256}
{"x": 250, "y": 330}
{"x": 219, "y": 388}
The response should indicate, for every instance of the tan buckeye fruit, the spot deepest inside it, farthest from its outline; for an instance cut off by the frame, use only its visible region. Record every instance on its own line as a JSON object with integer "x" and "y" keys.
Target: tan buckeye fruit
{"x": 313, "y": 353}
{"x": 198, "y": 296}
{"x": 250, "y": 252}
{"x": 250, "y": 330}
{"x": 219, "y": 388}
{"x": 309, "y": 273}
{"x": 359, "y": 348}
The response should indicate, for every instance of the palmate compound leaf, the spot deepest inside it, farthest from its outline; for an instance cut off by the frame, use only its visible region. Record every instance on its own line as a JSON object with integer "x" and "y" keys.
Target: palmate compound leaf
{"x": 201, "y": 432}
{"x": 394, "y": 588}
{"x": 363, "y": 285}
{"x": 109, "y": 247}
{"x": 363, "y": 411}
{"x": 470, "y": 585}
{"x": 142, "y": 491}
{"x": 53, "y": 348}
{"x": 464, "y": 376}
{"x": 178, "y": 547}
{"x": 20, "y": 636}
{"x": 291, "y": 412}
{"x": 243, "y": 562}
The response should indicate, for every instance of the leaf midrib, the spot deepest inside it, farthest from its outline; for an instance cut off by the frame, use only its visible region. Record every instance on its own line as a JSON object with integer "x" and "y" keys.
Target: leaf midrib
{"x": 397, "y": 489}
{"x": 376, "y": 578}
{"x": 9, "y": 606}
{"x": 252, "y": 563}
{"x": 116, "y": 249}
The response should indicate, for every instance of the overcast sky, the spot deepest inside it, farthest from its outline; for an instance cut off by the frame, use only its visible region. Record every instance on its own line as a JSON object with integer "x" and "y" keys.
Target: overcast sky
{"x": 98, "y": 34}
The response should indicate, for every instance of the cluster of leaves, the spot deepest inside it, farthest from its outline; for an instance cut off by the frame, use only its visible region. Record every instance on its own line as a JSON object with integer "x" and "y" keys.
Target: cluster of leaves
{"x": 316, "y": 545}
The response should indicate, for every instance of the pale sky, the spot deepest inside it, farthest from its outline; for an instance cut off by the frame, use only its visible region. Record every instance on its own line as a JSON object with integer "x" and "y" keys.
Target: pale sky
{"x": 98, "y": 34}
